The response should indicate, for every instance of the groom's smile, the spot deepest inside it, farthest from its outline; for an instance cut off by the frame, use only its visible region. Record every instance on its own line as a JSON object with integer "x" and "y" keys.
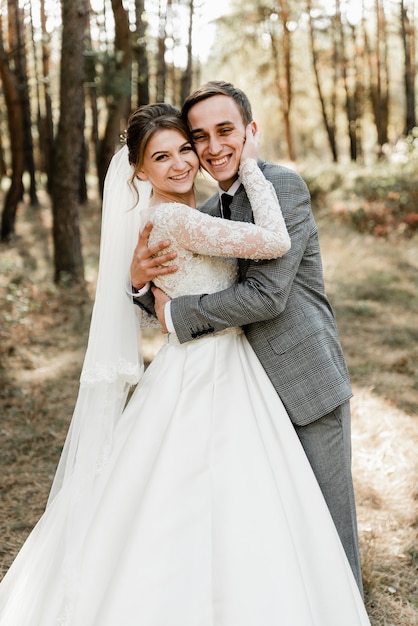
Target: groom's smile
{"x": 218, "y": 132}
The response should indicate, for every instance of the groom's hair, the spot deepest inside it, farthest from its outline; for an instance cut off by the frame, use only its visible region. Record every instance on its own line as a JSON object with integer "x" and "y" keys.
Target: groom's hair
{"x": 219, "y": 88}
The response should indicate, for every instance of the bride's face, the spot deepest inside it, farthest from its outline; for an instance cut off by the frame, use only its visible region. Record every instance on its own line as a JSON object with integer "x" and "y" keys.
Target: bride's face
{"x": 170, "y": 165}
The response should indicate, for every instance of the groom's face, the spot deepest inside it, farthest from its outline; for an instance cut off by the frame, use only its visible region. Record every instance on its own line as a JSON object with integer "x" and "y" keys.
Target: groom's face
{"x": 218, "y": 132}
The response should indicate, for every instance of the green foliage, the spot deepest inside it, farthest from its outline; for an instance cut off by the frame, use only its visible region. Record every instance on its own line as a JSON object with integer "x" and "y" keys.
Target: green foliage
{"x": 113, "y": 80}
{"x": 381, "y": 201}
{"x": 385, "y": 292}
{"x": 358, "y": 310}
{"x": 401, "y": 337}
{"x": 324, "y": 182}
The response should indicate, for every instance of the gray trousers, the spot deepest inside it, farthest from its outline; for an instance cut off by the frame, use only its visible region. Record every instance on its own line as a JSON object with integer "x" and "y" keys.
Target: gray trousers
{"x": 327, "y": 444}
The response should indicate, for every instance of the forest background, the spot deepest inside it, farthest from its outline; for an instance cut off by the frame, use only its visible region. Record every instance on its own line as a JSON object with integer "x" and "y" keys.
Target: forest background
{"x": 333, "y": 88}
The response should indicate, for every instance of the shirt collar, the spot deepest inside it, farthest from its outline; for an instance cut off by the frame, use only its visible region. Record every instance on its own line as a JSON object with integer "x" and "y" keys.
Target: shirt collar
{"x": 232, "y": 190}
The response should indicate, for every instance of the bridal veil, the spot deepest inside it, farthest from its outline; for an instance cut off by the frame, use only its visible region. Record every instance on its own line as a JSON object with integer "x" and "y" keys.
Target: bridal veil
{"x": 113, "y": 361}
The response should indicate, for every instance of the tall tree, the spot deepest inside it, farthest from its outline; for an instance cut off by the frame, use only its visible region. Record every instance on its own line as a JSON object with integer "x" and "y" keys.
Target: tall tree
{"x": 163, "y": 7}
{"x": 69, "y": 145}
{"x": 18, "y": 54}
{"x": 408, "y": 44}
{"x": 141, "y": 54}
{"x": 186, "y": 83}
{"x": 91, "y": 91}
{"x": 359, "y": 67}
{"x": 328, "y": 109}
{"x": 348, "y": 70}
{"x": 3, "y": 167}
{"x": 119, "y": 88}
{"x": 15, "y": 118}
{"x": 45, "y": 122}
{"x": 379, "y": 79}
{"x": 280, "y": 39}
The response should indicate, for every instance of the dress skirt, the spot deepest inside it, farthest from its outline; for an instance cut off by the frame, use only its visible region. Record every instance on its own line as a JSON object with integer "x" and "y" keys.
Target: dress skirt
{"x": 206, "y": 513}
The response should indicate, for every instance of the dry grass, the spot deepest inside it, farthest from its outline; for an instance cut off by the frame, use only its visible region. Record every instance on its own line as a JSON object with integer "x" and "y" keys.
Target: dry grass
{"x": 373, "y": 285}
{"x": 386, "y": 470}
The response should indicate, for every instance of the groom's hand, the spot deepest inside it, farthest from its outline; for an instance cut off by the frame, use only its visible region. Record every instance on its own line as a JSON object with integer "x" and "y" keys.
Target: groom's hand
{"x": 145, "y": 265}
{"x": 160, "y": 300}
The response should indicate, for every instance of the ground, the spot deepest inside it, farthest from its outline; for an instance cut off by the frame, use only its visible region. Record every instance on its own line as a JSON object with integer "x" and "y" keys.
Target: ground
{"x": 373, "y": 286}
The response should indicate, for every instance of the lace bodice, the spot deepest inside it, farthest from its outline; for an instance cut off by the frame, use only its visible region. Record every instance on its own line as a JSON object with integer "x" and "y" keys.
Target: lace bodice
{"x": 207, "y": 246}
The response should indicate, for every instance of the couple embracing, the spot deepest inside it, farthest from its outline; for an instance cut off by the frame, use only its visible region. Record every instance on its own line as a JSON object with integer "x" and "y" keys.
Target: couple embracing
{"x": 205, "y": 499}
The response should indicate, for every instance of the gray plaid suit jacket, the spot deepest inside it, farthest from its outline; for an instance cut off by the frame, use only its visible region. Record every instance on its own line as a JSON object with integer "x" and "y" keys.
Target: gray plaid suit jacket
{"x": 282, "y": 307}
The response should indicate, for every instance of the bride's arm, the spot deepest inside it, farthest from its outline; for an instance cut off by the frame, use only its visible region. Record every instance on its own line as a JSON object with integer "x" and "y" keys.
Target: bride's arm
{"x": 266, "y": 239}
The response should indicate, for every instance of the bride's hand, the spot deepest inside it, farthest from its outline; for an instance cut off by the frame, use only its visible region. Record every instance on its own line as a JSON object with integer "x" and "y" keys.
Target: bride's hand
{"x": 146, "y": 263}
{"x": 252, "y": 142}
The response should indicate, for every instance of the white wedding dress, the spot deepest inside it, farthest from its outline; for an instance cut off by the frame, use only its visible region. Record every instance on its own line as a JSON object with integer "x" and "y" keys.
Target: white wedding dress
{"x": 205, "y": 511}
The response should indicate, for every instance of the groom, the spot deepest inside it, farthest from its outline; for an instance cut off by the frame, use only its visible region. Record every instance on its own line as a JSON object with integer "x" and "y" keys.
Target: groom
{"x": 281, "y": 303}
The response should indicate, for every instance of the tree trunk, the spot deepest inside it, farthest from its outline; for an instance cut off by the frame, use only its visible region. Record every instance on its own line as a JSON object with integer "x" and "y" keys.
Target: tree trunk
{"x": 408, "y": 41}
{"x": 93, "y": 143}
{"x": 186, "y": 83}
{"x": 142, "y": 96}
{"x": 378, "y": 72}
{"x": 350, "y": 100}
{"x": 328, "y": 123}
{"x": 45, "y": 124}
{"x": 283, "y": 73}
{"x": 161, "y": 66}
{"x": 18, "y": 57}
{"x": 68, "y": 148}
{"x": 17, "y": 139}
{"x": 119, "y": 102}
{"x": 287, "y": 78}
{"x": 3, "y": 167}
{"x": 358, "y": 69}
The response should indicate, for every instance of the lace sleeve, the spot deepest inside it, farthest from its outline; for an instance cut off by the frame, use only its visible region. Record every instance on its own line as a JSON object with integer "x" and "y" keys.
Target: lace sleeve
{"x": 146, "y": 320}
{"x": 264, "y": 202}
{"x": 204, "y": 234}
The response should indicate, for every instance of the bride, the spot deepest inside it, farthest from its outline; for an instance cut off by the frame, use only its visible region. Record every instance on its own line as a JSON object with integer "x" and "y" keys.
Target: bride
{"x": 192, "y": 503}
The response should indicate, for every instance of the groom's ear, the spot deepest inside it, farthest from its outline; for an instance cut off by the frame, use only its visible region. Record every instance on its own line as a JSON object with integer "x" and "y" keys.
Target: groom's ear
{"x": 254, "y": 126}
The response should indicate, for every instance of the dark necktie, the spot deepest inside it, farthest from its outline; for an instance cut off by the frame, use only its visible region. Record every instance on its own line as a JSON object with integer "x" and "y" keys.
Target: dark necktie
{"x": 226, "y": 200}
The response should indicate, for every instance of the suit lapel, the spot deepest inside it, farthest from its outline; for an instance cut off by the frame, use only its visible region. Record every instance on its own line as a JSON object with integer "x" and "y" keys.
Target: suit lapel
{"x": 211, "y": 206}
{"x": 240, "y": 207}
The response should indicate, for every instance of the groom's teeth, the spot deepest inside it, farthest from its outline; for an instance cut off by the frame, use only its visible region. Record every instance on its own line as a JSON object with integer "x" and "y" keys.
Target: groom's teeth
{"x": 220, "y": 161}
